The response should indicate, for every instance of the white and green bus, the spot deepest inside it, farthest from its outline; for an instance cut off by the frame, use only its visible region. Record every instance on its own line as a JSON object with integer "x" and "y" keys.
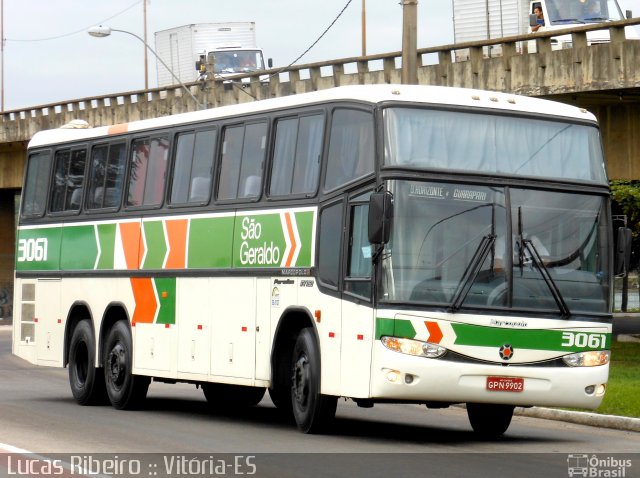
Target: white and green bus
{"x": 382, "y": 243}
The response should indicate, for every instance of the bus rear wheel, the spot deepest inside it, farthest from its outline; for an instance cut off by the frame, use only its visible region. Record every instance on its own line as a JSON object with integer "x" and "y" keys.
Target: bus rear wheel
{"x": 312, "y": 411}
{"x": 125, "y": 390}
{"x": 232, "y": 396}
{"x": 489, "y": 420}
{"x": 86, "y": 381}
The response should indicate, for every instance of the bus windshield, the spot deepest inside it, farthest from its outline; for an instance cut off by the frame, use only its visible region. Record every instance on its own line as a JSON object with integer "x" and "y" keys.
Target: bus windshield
{"x": 460, "y": 245}
{"x": 479, "y": 142}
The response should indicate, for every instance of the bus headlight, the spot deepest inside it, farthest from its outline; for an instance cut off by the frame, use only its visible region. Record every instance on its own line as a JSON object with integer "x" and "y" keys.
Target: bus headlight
{"x": 413, "y": 347}
{"x": 588, "y": 359}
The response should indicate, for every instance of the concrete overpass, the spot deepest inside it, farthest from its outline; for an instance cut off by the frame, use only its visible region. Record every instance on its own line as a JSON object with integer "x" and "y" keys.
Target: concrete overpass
{"x": 603, "y": 78}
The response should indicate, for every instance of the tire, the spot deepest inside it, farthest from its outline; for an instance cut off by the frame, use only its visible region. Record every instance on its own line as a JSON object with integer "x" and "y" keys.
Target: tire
{"x": 125, "y": 390}
{"x": 232, "y": 396}
{"x": 86, "y": 381}
{"x": 312, "y": 411}
{"x": 489, "y": 420}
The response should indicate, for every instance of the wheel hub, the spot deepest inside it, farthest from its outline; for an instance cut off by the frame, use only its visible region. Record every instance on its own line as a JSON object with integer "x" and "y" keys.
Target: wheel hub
{"x": 117, "y": 364}
{"x": 301, "y": 380}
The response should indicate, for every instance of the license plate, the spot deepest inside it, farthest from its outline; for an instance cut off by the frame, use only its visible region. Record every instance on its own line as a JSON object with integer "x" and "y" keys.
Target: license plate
{"x": 505, "y": 384}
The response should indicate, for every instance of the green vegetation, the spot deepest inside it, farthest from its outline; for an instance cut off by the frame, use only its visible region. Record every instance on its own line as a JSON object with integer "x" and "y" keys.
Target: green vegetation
{"x": 623, "y": 392}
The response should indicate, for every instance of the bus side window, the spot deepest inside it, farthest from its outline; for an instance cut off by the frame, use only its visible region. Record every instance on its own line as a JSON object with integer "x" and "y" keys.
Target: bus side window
{"x": 34, "y": 198}
{"x": 147, "y": 171}
{"x": 243, "y": 151}
{"x": 351, "y": 147}
{"x": 329, "y": 245}
{"x": 107, "y": 173}
{"x": 358, "y": 280}
{"x": 68, "y": 180}
{"x": 296, "y": 159}
{"x": 193, "y": 167}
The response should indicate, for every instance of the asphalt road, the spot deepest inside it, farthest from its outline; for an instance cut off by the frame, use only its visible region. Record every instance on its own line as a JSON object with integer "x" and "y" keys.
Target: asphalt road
{"x": 38, "y": 414}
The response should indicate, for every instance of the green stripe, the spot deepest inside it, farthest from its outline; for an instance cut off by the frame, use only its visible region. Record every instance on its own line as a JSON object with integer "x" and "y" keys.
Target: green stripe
{"x": 167, "y": 311}
{"x": 210, "y": 243}
{"x": 394, "y": 328}
{"x": 79, "y": 248}
{"x": 155, "y": 243}
{"x": 474, "y": 335}
{"x": 107, "y": 238}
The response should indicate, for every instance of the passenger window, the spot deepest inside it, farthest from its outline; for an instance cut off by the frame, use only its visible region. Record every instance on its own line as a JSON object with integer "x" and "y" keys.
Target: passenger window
{"x": 68, "y": 180}
{"x": 34, "y": 197}
{"x": 329, "y": 246}
{"x": 358, "y": 280}
{"x": 243, "y": 151}
{"x": 147, "y": 171}
{"x": 296, "y": 159}
{"x": 351, "y": 147}
{"x": 107, "y": 174}
{"x": 193, "y": 167}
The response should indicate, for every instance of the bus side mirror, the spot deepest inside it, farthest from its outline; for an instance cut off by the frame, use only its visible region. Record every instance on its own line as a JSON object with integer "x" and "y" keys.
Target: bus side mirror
{"x": 380, "y": 217}
{"x": 270, "y": 62}
{"x": 623, "y": 251}
{"x": 629, "y": 14}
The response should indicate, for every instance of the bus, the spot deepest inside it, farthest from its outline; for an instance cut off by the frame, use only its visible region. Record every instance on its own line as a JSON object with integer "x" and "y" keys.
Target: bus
{"x": 381, "y": 243}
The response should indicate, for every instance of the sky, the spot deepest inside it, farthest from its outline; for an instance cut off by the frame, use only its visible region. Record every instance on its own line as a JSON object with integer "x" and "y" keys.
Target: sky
{"x": 48, "y": 56}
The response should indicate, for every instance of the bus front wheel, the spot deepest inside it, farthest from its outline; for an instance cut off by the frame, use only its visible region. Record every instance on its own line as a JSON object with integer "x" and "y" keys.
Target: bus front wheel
{"x": 86, "y": 381}
{"x": 311, "y": 410}
{"x": 489, "y": 420}
{"x": 125, "y": 390}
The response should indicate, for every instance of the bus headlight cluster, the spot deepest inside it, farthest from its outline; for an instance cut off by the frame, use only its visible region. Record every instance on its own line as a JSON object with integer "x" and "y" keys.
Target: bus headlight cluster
{"x": 588, "y": 359}
{"x": 413, "y": 347}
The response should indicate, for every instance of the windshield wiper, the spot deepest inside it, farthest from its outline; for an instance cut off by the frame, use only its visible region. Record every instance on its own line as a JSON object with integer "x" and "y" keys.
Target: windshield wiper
{"x": 544, "y": 272}
{"x": 471, "y": 272}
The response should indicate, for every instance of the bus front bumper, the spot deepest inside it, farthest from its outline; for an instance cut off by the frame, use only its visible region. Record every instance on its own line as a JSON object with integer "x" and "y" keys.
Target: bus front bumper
{"x": 401, "y": 377}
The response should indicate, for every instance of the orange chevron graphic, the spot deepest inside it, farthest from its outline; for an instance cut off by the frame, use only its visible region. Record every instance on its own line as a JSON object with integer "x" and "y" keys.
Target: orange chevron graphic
{"x": 292, "y": 238}
{"x": 435, "y": 334}
{"x": 177, "y": 237}
{"x": 145, "y": 298}
{"x": 132, "y": 244}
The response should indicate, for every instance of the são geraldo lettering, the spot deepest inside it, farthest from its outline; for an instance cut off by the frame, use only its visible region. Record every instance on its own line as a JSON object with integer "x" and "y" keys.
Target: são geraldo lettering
{"x": 262, "y": 255}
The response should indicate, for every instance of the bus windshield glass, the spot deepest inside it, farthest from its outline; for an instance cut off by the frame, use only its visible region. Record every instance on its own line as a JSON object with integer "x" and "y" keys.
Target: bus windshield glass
{"x": 486, "y": 143}
{"x": 459, "y": 245}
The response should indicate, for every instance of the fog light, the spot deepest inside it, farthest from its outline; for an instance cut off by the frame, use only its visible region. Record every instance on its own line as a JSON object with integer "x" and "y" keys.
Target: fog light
{"x": 408, "y": 379}
{"x": 590, "y": 389}
{"x": 601, "y": 389}
{"x": 393, "y": 376}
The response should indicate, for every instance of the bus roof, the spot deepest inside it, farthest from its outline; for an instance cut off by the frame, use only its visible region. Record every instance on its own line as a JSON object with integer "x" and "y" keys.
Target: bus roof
{"x": 366, "y": 93}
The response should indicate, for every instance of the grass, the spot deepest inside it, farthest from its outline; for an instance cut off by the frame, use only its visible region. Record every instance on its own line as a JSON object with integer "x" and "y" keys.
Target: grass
{"x": 623, "y": 392}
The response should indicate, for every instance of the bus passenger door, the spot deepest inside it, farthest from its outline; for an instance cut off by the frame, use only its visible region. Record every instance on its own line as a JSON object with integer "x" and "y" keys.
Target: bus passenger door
{"x": 357, "y": 312}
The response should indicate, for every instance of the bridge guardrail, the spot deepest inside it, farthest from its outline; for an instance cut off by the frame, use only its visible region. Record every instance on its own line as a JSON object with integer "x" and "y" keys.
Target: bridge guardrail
{"x": 436, "y": 65}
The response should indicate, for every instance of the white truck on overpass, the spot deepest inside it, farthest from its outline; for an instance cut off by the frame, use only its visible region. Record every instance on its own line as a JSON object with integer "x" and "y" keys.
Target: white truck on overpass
{"x": 230, "y": 47}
